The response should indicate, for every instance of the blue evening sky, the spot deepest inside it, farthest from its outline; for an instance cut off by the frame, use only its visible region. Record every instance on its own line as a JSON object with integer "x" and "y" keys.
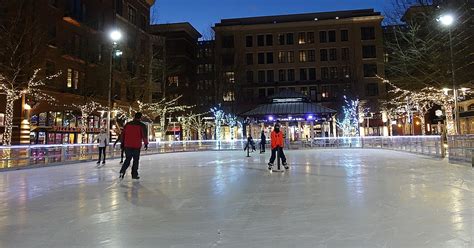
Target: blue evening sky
{"x": 203, "y": 13}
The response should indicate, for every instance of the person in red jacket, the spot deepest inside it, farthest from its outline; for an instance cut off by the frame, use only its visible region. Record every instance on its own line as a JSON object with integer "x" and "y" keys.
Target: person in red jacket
{"x": 133, "y": 134}
{"x": 277, "y": 146}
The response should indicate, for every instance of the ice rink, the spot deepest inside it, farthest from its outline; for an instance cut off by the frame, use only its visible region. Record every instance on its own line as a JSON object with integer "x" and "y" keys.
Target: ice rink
{"x": 329, "y": 198}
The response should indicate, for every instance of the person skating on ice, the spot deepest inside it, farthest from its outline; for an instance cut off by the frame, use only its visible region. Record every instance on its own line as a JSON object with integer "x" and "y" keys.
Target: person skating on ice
{"x": 263, "y": 142}
{"x": 103, "y": 141}
{"x": 277, "y": 146}
{"x": 134, "y": 133}
{"x": 122, "y": 149}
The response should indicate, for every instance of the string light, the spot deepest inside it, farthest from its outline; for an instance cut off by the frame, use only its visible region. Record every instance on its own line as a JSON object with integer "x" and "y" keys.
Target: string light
{"x": 350, "y": 122}
{"x": 232, "y": 122}
{"x": 219, "y": 116}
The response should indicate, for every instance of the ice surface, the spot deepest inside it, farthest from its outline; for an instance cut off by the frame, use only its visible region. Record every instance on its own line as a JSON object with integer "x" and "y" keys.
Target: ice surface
{"x": 329, "y": 198}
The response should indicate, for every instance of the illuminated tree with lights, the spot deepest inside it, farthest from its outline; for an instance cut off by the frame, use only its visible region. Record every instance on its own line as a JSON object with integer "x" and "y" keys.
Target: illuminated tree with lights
{"x": 219, "y": 118}
{"x": 86, "y": 110}
{"x": 231, "y": 120}
{"x": 33, "y": 88}
{"x": 194, "y": 122}
{"x": 349, "y": 124}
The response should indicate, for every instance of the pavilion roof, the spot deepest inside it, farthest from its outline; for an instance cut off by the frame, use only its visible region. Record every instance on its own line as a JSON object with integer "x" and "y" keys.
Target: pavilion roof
{"x": 289, "y": 108}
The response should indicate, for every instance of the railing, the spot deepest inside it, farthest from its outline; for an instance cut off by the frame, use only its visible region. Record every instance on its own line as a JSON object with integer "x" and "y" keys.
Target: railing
{"x": 42, "y": 155}
{"x": 461, "y": 149}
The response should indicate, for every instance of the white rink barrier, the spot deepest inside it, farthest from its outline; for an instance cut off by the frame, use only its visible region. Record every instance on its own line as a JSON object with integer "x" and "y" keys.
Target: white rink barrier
{"x": 14, "y": 157}
{"x": 461, "y": 149}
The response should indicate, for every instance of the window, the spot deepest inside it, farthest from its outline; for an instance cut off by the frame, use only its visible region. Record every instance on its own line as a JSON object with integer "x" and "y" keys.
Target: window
{"x": 262, "y": 93}
{"x": 291, "y": 57}
{"x": 372, "y": 89}
{"x": 249, "y": 58}
{"x": 261, "y": 58}
{"x": 228, "y": 59}
{"x": 324, "y": 54}
{"x": 333, "y": 54}
{"x": 303, "y": 74}
{"x": 369, "y": 52}
{"x": 346, "y": 72}
{"x": 228, "y": 41}
{"x": 282, "y": 75}
{"x": 323, "y": 36}
{"x": 270, "y": 58}
{"x": 270, "y": 91}
{"x": 344, "y": 35}
{"x": 229, "y": 96}
{"x": 132, "y": 15}
{"x": 76, "y": 80}
{"x": 249, "y": 76}
{"x": 261, "y": 40}
{"x": 229, "y": 77}
{"x": 290, "y": 39}
{"x": 281, "y": 57}
{"x": 119, "y": 7}
{"x": 312, "y": 73}
{"x": 345, "y": 54}
{"x": 291, "y": 74}
{"x": 324, "y": 73}
{"x": 332, "y": 36}
{"x": 367, "y": 33}
{"x": 269, "y": 40}
{"x": 261, "y": 76}
{"x": 302, "y": 38}
{"x": 333, "y": 73}
{"x": 50, "y": 68}
{"x": 143, "y": 22}
{"x": 270, "y": 76}
{"x": 310, "y": 37}
{"x": 311, "y": 55}
{"x": 303, "y": 56}
{"x": 69, "y": 78}
{"x": 281, "y": 39}
{"x": 249, "y": 41}
{"x": 370, "y": 70}
{"x": 173, "y": 80}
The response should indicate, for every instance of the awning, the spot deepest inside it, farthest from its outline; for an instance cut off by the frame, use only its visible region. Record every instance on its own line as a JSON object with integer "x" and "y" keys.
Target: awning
{"x": 291, "y": 108}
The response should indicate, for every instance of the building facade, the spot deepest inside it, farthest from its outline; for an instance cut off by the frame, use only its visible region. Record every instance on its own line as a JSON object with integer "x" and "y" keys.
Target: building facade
{"x": 322, "y": 55}
{"x": 75, "y": 42}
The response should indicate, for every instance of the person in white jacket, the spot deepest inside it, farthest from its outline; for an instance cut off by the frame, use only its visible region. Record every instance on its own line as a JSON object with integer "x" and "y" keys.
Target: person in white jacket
{"x": 103, "y": 141}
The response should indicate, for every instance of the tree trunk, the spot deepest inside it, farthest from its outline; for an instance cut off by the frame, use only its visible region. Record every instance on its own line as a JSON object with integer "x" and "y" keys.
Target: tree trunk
{"x": 162, "y": 124}
{"x": 423, "y": 124}
{"x": 7, "y": 137}
{"x": 448, "y": 108}
{"x": 84, "y": 128}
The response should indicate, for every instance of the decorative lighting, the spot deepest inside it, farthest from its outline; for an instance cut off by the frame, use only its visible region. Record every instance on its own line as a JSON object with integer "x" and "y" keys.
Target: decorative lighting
{"x": 310, "y": 117}
{"x": 27, "y": 106}
{"x": 270, "y": 118}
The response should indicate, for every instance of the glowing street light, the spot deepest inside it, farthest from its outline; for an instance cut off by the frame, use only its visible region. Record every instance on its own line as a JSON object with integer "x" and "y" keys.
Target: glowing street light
{"x": 446, "y": 20}
{"x": 115, "y": 36}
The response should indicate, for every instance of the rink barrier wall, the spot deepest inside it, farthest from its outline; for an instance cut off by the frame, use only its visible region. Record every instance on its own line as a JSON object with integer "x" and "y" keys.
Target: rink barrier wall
{"x": 27, "y": 156}
{"x": 461, "y": 149}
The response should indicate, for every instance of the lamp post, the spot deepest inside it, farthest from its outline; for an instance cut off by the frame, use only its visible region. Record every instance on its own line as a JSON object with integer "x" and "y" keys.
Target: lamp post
{"x": 115, "y": 36}
{"x": 448, "y": 20}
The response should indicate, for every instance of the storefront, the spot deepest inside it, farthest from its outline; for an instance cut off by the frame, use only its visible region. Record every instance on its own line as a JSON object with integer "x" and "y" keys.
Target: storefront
{"x": 63, "y": 128}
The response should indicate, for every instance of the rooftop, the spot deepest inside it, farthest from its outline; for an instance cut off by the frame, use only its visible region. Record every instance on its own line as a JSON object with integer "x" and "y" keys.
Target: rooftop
{"x": 175, "y": 27}
{"x": 298, "y": 17}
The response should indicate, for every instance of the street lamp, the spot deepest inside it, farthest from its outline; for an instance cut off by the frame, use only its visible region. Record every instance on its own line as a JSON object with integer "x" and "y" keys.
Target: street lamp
{"x": 447, "y": 20}
{"x": 115, "y": 36}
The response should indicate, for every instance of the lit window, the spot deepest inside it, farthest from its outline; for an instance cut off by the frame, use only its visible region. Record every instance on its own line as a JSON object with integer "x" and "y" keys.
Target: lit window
{"x": 229, "y": 96}
{"x": 69, "y": 78}
{"x": 302, "y": 38}
{"x": 229, "y": 77}
{"x": 76, "y": 79}
{"x": 173, "y": 80}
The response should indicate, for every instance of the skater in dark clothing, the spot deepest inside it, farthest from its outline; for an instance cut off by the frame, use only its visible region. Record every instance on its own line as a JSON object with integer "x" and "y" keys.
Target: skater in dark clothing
{"x": 133, "y": 134}
{"x": 277, "y": 146}
{"x": 263, "y": 142}
{"x": 250, "y": 144}
{"x": 122, "y": 149}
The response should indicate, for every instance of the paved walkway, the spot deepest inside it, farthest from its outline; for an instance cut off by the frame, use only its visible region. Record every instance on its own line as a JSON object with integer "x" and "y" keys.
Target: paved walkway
{"x": 329, "y": 198}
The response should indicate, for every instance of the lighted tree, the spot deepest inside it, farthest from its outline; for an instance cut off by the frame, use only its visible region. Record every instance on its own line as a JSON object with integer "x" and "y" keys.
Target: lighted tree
{"x": 86, "y": 110}
{"x": 219, "y": 118}
{"x": 33, "y": 88}
{"x": 349, "y": 124}
{"x": 231, "y": 120}
{"x": 194, "y": 122}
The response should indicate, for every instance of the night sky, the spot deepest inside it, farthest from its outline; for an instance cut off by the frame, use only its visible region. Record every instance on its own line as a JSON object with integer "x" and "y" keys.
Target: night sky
{"x": 203, "y": 13}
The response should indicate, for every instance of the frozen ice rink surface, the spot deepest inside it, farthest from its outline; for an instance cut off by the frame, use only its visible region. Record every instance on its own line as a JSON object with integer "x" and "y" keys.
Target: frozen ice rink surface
{"x": 329, "y": 198}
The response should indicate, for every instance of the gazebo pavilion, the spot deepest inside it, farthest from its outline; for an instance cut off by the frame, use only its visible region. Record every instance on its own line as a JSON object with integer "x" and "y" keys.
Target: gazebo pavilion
{"x": 300, "y": 118}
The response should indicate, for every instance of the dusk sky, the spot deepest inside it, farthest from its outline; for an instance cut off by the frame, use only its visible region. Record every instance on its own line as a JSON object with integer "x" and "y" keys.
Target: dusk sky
{"x": 203, "y": 13}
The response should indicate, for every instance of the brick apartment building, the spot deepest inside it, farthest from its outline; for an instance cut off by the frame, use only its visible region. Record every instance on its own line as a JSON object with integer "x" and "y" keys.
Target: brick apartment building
{"x": 78, "y": 45}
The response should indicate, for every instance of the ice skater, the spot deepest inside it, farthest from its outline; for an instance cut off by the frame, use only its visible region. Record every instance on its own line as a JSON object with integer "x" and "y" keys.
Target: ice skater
{"x": 263, "y": 142}
{"x": 277, "y": 146}
{"x": 122, "y": 149}
{"x": 103, "y": 141}
{"x": 133, "y": 134}
{"x": 250, "y": 144}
